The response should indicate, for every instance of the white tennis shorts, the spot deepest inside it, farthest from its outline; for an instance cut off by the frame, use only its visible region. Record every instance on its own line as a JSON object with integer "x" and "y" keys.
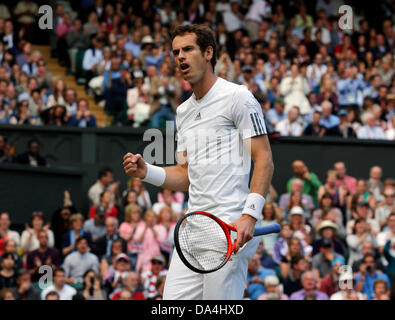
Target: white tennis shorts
{"x": 227, "y": 283}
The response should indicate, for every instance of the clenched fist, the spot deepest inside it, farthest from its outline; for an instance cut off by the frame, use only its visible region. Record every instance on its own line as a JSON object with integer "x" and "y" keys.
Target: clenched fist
{"x": 134, "y": 165}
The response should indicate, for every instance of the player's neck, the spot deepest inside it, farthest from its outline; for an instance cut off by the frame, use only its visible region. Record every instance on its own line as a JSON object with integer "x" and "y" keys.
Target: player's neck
{"x": 204, "y": 85}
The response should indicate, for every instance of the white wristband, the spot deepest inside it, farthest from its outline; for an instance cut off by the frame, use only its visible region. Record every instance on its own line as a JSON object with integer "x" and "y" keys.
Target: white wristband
{"x": 254, "y": 205}
{"x": 155, "y": 175}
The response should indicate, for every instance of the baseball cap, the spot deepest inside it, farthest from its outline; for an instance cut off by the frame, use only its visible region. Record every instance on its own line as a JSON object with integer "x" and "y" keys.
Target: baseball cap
{"x": 122, "y": 256}
{"x": 159, "y": 258}
{"x": 279, "y": 101}
{"x": 296, "y": 210}
{"x": 338, "y": 259}
{"x": 326, "y": 243}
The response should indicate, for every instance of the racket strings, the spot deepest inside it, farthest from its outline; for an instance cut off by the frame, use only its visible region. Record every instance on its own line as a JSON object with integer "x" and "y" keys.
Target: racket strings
{"x": 203, "y": 242}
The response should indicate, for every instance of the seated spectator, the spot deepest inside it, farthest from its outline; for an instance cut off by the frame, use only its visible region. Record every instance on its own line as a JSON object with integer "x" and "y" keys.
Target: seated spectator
{"x": 311, "y": 181}
{"x": 55, "y": 116}
{"x": 309, "y": 291}
{"x": 168, "y": 200}
{"x": 368, "y": 248}
{"x": 143, "y": 196}
{"x": 103, "y": 243}
{"x": 363, "y": 212}
{"x": 107, "y": 261}
{"x": 130, "y": 284}
{"x": 91, "y": 289}
{"x": 276, "y": 114}
{"x": 32, "y": 156}
{"x": 106, "y": 206}
{"x": 350, "y": 88}
{"x": 271, "y": 214}
{"x": 292, "y": 282}
{"x": 301, "y": 230}
{"x": 104, "y": 182}
{"x": 345, "y": 127}
{"x": 329, "y": 121}
{"x": 315, "y": 128}
{"x": 374, "y": 183}
{"x": 338, "y": 193}
{"x": 151, "y": 276}
{"x": 295, "y": 200}
{"x": 370, "y": 130}
{"x": 113, "y": 278}
{"x": 7, "y": 153}
{"x": 95, "y": 226}
{"x": 69, "y": 240}
{"x": 52, "y": 295}
{"x": 80, "y": 261}
{"x": 347, "y": 291}
{"x": 256, "y": 277}
{"x": 128, "y": 228}
{"x": 7, "y": 272}
{"x": 330, "y": 283}
{"x": 326, "y": 204}
{"x": 384, "y": 210}
{"x": 44, "y": 255}
{"x": 24, "y": 289}
{"x": 321, "y": 262}
{"x": 82, "y": 117}
{"x": 6, "y": 233}
{"x": 58, "y": 96}
{"x": 30, "y": 236}
{"x": 328, "y": 230}
{"x": 92, "y": 57}
{"x": 22, "y": 115}
{"x": 11, "y": 247}
{"x": 360, "y": 234}
{"x": 65, "y": 291}
{"x": 294, "y": 248}
{"x": 6, "y": 294}
{"x": 273, "y": 291}
{"x": 296, "y": 186}
{"x": 290, "y": 126}
{"x": 148, "y": 235}
{"x": 350, "y": 183}
{"x": 381, "y": 290}
{"x": 367, "y": 275}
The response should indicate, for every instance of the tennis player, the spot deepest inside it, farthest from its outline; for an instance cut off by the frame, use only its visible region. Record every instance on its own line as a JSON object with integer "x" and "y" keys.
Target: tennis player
{"x": 220, "y": 108}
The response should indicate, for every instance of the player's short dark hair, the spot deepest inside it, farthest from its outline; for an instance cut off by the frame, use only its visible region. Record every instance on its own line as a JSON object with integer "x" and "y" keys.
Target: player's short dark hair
{"x": 103, "y": 172}
{"x": 204, "y": 38}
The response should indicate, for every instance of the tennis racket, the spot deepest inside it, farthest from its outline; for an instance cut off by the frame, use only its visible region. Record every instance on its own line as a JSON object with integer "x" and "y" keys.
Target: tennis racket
{"x": 203, "y": 241}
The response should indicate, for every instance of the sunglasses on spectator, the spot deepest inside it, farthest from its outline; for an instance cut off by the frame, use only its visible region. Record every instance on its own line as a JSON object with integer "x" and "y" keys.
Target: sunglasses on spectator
{"x": 156, "y": 262}
{"x": 389, "y": 195}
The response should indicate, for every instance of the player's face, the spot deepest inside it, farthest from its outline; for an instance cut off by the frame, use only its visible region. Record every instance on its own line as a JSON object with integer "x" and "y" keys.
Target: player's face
{"x": 189, "y": 58}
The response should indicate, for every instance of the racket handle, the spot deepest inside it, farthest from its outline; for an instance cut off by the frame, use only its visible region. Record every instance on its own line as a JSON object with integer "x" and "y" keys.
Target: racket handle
{"x": 273, "y": 228}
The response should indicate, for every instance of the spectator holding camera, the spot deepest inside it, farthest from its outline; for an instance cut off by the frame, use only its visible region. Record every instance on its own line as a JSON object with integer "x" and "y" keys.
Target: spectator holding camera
{"x": 91, "y": 289}
{"x": 309, "y": 291}
{"x": 367, "y": 275}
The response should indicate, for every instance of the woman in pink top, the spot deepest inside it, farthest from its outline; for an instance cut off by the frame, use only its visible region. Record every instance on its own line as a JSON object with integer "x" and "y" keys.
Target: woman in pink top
{"x": 128, "y": 229}
{"x": 167, "y": 224}
{"x": 149, "y": 235}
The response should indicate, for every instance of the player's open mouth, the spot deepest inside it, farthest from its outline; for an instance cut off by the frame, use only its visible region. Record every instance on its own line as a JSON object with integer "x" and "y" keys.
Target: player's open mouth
{"x": 184, "y": 67}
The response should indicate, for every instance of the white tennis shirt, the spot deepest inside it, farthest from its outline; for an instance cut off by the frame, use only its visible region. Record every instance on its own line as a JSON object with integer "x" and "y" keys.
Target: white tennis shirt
{"x": 211, "y": 130}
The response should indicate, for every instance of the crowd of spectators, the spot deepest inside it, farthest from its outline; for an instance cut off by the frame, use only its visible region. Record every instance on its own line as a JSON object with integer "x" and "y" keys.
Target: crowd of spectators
{"x": 337, "y": 242}
{"x": 310, "y": 76}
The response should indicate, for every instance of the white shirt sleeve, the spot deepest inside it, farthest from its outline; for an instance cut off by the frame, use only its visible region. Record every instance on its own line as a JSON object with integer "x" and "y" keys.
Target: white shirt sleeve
{"x": 247, "y": 114}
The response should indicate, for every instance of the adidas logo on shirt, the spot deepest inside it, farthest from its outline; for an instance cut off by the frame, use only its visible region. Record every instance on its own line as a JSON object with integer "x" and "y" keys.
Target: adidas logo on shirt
{"x": 198, "y": 117}
{"x": 252, "y": 207}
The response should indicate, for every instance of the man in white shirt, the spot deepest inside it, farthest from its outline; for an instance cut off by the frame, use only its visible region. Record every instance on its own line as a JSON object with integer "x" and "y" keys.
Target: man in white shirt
{"x": 290, "y": 126}
{"x": 233, "y": 20}
{"x": 93, "y": 56}
{"x": 316, "y": 70}
{"x": 370, "y": 130}
{"x": 212, "y": 124}
{"x": 65, "y": 291}
{"x": 104, "y": 182}
{"x": 258, "y": 10}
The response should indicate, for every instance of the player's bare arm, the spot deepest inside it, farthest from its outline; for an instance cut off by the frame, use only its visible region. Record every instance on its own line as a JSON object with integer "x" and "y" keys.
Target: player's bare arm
{"x": 176, "y": 176}
{"x": 261, "y": 154}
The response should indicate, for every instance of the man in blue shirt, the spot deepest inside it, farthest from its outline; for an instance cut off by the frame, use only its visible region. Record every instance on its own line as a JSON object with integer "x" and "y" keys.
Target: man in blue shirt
{"x": 350, "y": 88}
{"x": 256, "y": 277}
{"x": 276, "y": 114}
{"x": 367, "y": 275}
{"x": 134, "y": 45}
{"x": 329, "y": 121}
